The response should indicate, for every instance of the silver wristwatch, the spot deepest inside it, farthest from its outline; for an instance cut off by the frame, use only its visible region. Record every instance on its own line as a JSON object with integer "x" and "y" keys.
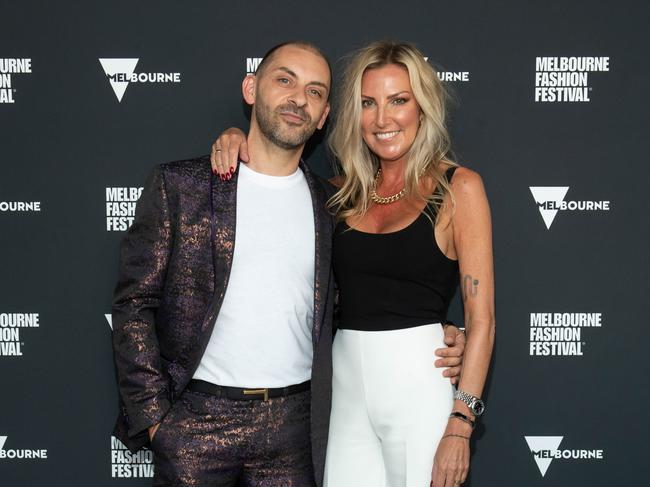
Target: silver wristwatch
{"x": 473, "y": 403}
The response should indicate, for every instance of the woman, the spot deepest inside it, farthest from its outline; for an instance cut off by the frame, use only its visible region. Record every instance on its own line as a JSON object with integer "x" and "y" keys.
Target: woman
{"x": 411, "y": 225}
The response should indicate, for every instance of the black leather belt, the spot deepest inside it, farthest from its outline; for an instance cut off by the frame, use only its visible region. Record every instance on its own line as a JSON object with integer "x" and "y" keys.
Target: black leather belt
{"x": 239, "y": 394}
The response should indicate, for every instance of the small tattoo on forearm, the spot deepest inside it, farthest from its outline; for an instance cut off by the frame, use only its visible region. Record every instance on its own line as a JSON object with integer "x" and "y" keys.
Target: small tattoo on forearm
{"x": 469, "y": 287}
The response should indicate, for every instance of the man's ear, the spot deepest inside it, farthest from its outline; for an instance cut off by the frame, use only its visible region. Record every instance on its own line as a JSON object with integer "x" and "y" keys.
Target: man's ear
{"x": 321, "y": 122}
{"x": 248, "y": 87}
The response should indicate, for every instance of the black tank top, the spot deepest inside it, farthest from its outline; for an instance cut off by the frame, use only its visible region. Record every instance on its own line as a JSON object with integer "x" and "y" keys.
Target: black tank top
{"x": 390, "y": 281}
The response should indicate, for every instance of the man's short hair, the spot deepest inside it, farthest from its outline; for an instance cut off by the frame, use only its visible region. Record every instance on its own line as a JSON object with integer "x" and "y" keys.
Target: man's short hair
{"x": 301, "y": 44}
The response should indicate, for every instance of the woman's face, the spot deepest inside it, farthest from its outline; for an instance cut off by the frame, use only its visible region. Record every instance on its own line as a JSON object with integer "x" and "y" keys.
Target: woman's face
{"x": 390, "y": 116}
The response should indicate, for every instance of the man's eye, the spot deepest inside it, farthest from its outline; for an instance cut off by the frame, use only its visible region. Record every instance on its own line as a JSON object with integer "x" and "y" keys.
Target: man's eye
{"x": 316, "y": 93}
{"x": 284, "y": 81}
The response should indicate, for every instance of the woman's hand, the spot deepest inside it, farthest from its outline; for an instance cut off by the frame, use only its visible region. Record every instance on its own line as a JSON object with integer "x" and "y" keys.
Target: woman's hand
{"x": 451, "y": 462}
{"x": 226, "y": 151}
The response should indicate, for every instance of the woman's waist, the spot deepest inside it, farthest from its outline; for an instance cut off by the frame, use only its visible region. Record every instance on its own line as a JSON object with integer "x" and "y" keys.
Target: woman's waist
{"x": 391, "y": 313}
{"x": 418, "y": 339}
{"x": 388, "y": 324}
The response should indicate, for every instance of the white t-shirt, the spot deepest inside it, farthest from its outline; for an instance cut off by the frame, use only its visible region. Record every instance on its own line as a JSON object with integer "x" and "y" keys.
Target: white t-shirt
{"x": 263, "y": 334}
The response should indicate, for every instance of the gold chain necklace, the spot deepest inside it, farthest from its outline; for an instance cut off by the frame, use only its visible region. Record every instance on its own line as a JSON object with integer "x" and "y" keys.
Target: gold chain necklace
{"x": 384, "y": 200}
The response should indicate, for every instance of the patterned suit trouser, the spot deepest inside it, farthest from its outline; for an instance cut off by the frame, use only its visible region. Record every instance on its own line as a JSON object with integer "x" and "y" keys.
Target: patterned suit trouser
{"x": 208, "y": 441}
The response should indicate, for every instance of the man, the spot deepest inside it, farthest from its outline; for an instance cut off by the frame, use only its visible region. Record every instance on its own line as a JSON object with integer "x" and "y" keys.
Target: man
{"x": 223, "y": 343}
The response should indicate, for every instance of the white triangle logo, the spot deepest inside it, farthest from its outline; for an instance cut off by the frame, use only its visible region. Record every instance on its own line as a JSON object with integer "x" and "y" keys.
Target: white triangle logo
{"x": 113, "y": 67}
{"x": 2, "y": 442}
{"x": 538, "y": 444}
{"x": 109, "y": 318}
{"x": 545, "y": 194}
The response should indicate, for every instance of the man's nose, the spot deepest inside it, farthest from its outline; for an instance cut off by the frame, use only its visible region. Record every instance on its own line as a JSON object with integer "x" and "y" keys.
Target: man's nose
{"x": 298, "y": 98}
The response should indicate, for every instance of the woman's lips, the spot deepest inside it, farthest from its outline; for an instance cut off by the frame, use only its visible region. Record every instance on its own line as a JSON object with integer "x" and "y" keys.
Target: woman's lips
{"x": 386, "y": 135}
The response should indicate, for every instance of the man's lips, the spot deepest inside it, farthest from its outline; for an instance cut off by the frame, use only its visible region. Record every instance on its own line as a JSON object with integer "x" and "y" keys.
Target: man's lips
{"x": 292, "y": 117}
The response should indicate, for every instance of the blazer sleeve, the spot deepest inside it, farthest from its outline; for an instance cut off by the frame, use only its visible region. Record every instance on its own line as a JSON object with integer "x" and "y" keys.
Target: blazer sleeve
{"x": 144, "y": 256}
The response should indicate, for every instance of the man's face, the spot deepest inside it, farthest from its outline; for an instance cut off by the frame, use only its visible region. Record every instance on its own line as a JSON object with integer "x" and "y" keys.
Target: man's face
{"x": 290, "y": 98}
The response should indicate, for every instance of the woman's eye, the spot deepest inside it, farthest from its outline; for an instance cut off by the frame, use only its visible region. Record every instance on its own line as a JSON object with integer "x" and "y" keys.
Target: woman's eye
{"x": 366, "y": 103}
{"x": 399, "y": 101}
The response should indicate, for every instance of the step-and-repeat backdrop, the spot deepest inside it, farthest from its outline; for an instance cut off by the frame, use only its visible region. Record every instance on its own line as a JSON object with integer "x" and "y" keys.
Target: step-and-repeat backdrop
{"x": 550, "y": 108}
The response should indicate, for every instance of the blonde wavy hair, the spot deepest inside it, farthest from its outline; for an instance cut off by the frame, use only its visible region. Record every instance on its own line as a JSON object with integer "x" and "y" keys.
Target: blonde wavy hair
{"x": 431, "y": 147}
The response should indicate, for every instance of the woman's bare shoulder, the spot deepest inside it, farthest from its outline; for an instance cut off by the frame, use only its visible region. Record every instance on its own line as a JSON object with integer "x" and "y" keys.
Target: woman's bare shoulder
{"x": 460, "y": 174}
{"x": 461, "y": 171}
{"x": 467, "y": 180}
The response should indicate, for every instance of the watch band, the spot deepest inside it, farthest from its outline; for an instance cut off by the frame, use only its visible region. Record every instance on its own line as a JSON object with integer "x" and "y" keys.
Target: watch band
{"x": 473, "y": 403}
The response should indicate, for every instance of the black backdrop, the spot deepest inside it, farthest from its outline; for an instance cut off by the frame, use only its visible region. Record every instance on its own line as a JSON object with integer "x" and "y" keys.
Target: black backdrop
{"x": 66, "y": 139}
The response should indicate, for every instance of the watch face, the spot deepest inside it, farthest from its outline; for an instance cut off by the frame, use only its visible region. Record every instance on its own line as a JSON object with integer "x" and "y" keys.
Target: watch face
{"x": 478, "y": 407}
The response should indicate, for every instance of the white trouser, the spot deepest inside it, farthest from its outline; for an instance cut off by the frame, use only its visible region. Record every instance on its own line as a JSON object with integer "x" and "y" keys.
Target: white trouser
{"x": 390, "y": 407}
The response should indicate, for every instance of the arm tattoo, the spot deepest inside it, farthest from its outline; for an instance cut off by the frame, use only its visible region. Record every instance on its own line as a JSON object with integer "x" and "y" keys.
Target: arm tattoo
{"x": 469, "y": 287}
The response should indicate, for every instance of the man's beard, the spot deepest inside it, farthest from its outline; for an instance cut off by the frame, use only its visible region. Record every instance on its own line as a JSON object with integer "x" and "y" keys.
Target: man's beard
{"x": 272, "y": 128}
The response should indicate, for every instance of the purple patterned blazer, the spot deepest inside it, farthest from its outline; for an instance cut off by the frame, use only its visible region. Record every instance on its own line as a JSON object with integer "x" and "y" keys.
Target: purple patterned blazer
{"x": 175, "y": 262}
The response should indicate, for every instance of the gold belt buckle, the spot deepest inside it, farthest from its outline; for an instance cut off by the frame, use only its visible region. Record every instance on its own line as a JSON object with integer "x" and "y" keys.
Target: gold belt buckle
{"x": 248, "y": 392}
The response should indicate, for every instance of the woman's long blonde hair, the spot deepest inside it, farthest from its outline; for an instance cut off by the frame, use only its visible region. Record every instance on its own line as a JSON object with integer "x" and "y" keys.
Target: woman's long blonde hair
{"x": 431, "y": 146}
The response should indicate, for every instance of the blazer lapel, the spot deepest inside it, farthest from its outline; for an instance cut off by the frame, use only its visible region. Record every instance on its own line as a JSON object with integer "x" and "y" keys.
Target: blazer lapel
{"x": 223, "y": 212}
{"x": 224, "y": 217}
{"x": 323, "y": 251}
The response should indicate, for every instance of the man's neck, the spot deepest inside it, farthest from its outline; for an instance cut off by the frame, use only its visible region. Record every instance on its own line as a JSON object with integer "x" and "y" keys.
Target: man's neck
{"x": 268, "y": 158}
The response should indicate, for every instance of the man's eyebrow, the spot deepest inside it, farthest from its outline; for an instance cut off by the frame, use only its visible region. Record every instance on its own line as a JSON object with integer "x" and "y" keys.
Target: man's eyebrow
{"x": 320, "y": 83}
{"x": 290, "y": 72}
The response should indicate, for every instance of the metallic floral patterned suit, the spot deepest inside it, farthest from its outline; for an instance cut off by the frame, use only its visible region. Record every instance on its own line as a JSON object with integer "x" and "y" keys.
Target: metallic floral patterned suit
{"x": 175, "y": 263}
